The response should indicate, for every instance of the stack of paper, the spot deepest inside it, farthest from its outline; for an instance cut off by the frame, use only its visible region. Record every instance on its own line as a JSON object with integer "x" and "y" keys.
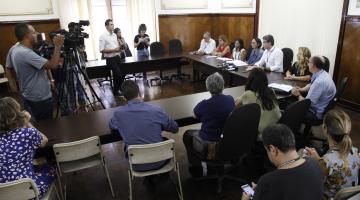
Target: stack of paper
{"x": 283, "y": 87}
{"x": 210, "y": 56}
{"x": 238, "y": 63}
{"x": 224, "y": 59}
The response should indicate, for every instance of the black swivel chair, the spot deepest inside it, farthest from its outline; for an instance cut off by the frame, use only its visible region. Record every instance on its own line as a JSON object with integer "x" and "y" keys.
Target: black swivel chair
{"x": 239, "y": 135}
{"x": 156, "y": 50}
{"x": 293, "y": 117}
{"x": 232, "y": 46}
{"x": 175, "y": 48}
{"x": 288, "y": 58}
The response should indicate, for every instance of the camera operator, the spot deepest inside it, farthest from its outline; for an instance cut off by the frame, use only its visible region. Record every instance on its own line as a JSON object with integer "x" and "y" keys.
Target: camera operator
{"x": 33, "y": 71}
{"x": 109, "y": 46}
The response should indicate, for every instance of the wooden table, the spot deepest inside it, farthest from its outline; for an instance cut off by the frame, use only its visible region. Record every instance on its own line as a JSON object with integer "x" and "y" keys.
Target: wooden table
{"x": 84, "y": 125}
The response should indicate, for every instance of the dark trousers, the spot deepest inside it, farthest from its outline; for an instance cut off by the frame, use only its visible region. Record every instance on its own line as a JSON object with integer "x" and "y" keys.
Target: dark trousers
{"x": 39, "y": 109}
{"x": 114, "y": 63}
{"x": 194, "y": 157}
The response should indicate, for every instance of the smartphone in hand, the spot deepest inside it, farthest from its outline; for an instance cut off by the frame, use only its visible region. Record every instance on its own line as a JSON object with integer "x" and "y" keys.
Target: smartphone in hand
{"x": 248, "y": 189}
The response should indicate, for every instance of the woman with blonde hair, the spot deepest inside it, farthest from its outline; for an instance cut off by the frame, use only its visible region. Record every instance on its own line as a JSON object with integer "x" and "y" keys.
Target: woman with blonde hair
{"x": 18, "y": 142}
{"x": 299, "y": 71}
{"x": 223, "y": 49}
{"x": 341, "y": 163}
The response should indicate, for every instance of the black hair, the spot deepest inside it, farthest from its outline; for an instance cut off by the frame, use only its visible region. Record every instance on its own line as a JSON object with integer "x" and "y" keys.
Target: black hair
{"x": 130, "y": 89}
{"x": 241, "y": 42}
{"x": 107, "y": 22}
{"x": 258, "y": 41}
{"x": 269, "y": 38}
{"x": 116, "y": 30}
{"x": 280, "y": 136}
{"x": 142, "y": 27}
{"x": 258, "y": 83}
{"x": 327, "y": 64}
{"x": 318, "y": 61}
{"x": 21, "y": 30}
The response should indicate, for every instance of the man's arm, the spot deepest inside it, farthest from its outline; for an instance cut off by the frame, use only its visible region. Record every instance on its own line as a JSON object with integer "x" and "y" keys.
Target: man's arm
{"x": 168, "y": 123}
{"x": 10, "y": 73}
{"x": 279, "y": 56}
{"x": 261, "y": 62}
{"x": 53, "y": 63}
{"x": 102, "y": 47}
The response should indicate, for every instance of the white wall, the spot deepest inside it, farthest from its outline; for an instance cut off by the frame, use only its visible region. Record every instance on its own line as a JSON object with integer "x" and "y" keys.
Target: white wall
{"x": 295, "y": 23}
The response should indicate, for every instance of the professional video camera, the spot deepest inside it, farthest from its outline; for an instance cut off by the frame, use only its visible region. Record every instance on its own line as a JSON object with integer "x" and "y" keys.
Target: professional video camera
{"x": 75, "y": 36}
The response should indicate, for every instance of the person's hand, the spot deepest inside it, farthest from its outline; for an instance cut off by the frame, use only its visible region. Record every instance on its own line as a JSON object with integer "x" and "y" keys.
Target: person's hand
{"x": 312, "y": 153}
{"x": 295, "y": 91}
{"x": 117, "y": 49}
{"x": 201, "y": 52}
{"x": 288, "y": 77}
{"x": 52, "y": 84}
{"x": 58, "y": 41}
{"x": 27, "y": 118}
{"x": 267, "y": 69}
{"x": 245, "y": 196}
{"x": 249, "y": 68}
{"x": 214, "y": 53}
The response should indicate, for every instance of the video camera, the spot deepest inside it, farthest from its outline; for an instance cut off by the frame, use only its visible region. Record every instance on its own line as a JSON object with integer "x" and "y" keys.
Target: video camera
{"x": 75, "y": 36}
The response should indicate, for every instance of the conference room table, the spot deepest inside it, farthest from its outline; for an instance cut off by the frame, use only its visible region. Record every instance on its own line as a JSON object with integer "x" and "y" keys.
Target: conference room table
{"x": 96, "y": 123}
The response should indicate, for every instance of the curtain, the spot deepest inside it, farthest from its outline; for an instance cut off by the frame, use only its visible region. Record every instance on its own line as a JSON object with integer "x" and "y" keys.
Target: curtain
{"x": 142, "y": 12}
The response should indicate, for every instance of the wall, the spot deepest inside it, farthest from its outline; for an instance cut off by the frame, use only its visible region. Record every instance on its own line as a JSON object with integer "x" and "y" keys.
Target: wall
{"x": 295, "y": 23}
{"x": 190, "y": 28}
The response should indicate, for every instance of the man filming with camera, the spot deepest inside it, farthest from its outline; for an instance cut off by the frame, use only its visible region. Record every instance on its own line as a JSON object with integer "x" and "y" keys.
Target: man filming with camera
{"x": 32, "y": 71}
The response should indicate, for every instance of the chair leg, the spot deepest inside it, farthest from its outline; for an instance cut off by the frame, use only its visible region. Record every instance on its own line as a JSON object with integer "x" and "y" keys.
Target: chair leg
{"x": 130, "y": 186}
{"x": 178, "y": 176}
{"x": 108, "y": 178}
{"x": 60, "y": 185}
{"x": 57, "y": 193}
{"x": 219, "y": 189}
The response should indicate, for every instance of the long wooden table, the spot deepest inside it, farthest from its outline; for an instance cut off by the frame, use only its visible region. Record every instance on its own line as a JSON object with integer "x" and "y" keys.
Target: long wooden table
{"x": 84, "y": 125}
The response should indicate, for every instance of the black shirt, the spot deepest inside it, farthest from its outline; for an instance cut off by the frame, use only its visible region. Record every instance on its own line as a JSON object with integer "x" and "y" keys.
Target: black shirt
{"x": 295, "y": 69}
{"x": 142, "y": 45}
{"x": 299, "y": 183}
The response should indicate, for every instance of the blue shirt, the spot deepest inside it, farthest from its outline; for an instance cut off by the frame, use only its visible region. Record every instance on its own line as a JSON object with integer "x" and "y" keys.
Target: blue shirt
{"x": 142, "y": 123}
{"x": 255, "y": 56}
{"x": 213, "y": 113}
{"x": 322, "y": 91}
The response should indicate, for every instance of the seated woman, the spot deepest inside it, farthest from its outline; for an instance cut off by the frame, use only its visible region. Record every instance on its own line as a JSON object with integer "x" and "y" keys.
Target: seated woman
{"x": 125, "y": 51}
{"x": 341, "y": 163}
{"x": 239, "y": 53}
{"x": 212, "y": 112}
{"x": 223, "y": 49}
{"x": 257, "y": 91}
{"x": 299, "y": 71}
{"x": 18, "y": 142}
{"x": 256, "y": 51}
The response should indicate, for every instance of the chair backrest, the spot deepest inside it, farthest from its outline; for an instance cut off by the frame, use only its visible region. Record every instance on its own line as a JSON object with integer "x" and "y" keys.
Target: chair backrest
{"x": 175, "y": 46}
{"x": 150, "y": 153}
{"x": 65, "y": 152}
{"x": 19, "y": 189}
{"x": 327, "y": 64}
{"x": 294, "y": 114}
{"x": 347, "y": 193}
{"x": 2, "y": 71}
{"x": 288, "y": 58}
{"x": 240, "y": 132}
{"x": 339, "y": 92}
{"x": 157, "y": 49}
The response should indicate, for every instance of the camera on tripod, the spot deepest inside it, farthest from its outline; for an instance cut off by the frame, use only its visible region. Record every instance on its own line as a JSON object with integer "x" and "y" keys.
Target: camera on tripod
{"x": 75, "y": 36}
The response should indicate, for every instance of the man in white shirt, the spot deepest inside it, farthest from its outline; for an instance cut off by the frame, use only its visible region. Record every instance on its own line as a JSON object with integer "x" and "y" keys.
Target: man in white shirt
{"x": 207, "y": 45}
{"x": 272, "y": 58}
{"x": 110, "y": 48}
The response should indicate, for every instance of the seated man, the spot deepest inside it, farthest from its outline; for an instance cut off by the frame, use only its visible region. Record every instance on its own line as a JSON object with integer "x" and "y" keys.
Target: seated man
{"x": 140, "y": 123}
{"x": 207, "y": 45}
{"x": 213, "y": 113}
{"x": 321, "y": 90}
{"x": 272, "y": 58}
{"x": 295, "y": 177}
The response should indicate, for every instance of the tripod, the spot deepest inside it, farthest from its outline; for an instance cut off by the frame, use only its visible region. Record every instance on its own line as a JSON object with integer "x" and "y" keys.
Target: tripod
{"x": 71, "y": 91}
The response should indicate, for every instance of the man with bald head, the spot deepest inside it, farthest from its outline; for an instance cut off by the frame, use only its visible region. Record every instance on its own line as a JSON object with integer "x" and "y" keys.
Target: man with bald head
{"x": 207, "y": 45}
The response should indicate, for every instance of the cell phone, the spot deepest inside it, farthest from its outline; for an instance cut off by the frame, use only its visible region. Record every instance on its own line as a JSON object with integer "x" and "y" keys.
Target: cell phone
{"x": 247, "y": 189}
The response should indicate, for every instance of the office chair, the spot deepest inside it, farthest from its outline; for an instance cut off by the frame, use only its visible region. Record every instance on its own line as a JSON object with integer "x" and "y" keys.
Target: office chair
{"x": 175, "y": 48}
{"x": 157, "y": 49}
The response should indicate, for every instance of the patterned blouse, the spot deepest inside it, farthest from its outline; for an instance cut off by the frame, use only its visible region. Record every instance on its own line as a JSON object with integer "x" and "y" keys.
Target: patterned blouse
{"x": 338, "y": 176}
{"x": 17, "y": 148}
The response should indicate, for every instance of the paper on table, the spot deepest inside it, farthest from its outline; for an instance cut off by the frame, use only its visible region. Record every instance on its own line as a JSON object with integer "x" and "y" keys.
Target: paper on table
{"x": 210, "y": 56}
{"x": 238, "y": 63}
{"x": 283, "y": 87}
{"x": 224, "y": 59}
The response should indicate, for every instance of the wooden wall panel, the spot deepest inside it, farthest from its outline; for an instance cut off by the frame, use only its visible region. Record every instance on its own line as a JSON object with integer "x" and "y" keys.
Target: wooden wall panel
{"x": 8, "y": 36}
{"x": 350, "y": 61}
{"x": 190, "y": 28}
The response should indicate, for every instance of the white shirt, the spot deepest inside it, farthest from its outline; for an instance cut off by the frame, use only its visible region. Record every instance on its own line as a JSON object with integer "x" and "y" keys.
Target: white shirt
{"x": 207, "y": 47}
{"x": 272, "y": 59}
{"x": 108, "y": 41}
